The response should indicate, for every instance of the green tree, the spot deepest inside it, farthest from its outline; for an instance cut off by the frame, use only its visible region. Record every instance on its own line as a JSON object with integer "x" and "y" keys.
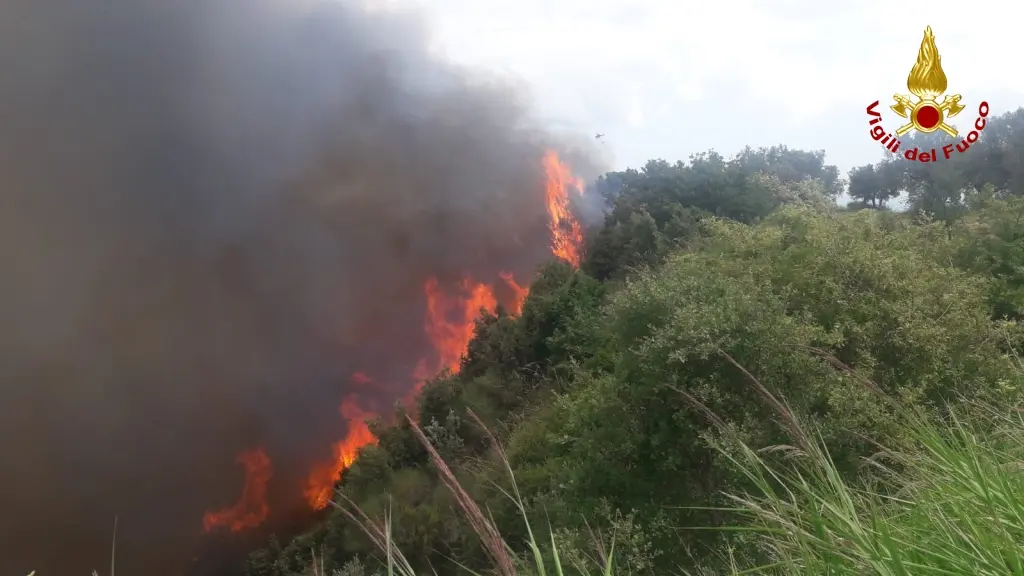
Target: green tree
{"x": 873, "y": 186}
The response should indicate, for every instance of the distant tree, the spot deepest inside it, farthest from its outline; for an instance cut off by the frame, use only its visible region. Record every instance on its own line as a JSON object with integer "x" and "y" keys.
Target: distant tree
{"x": 872, "y": 186}
{"x": 943, "y": 187}
{"x": 660, "y": 207}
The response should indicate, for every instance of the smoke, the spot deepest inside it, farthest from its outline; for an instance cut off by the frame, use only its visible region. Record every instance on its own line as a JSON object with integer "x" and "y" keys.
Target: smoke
{"x": 211, "y": 213}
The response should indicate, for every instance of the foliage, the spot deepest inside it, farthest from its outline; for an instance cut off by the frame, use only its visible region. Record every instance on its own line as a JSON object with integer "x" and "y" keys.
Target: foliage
{"x": 661, "y": 206}
{"x": 991, "y": 243}
{"x": 872, "y": 186}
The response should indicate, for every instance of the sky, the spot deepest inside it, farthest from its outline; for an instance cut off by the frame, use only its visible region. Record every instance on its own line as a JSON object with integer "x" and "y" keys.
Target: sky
{"x": 666, "y": 78}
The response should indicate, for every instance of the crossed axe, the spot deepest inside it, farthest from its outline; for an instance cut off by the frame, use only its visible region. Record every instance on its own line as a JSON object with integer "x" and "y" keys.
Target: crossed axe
{"x": 950, "y": 103}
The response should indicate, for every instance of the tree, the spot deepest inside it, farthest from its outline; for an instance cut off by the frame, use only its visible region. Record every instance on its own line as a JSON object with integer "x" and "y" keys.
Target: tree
{"x": 874, "y": 185}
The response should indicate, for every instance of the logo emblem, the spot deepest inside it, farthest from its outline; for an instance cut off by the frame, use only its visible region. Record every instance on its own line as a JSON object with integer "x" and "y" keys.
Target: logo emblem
{"x": 927, "y": 81}
{"x": 924, "y": 111}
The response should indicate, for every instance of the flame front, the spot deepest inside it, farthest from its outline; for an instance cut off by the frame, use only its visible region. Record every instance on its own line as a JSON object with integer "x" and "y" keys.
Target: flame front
{"x": 451, "y": 319}
{"x": 251, "y": 509}
{"x": 927, "y": 80}
{"x": 519, "y": 293}
{"x": 449, "y": 324}
{"x": 320, "y": 484}
{"x": 566, "y": 235}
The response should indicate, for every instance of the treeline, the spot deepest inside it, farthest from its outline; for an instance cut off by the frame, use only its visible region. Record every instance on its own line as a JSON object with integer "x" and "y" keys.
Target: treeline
{"x": 703, "y": 276}
{"x": 947, "y": 188}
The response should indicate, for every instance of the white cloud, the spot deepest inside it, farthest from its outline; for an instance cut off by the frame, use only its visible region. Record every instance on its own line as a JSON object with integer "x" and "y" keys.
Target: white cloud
{"x": 788, "y": 71}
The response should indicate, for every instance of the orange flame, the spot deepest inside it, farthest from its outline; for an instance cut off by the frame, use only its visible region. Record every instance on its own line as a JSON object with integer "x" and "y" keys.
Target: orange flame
{"x": 251, "y": 509}
{"x": 566, "y": 235}
{"x": 450, "y": 321}
{"x": 320, "y": 484}
{"x": 519, "y": 292}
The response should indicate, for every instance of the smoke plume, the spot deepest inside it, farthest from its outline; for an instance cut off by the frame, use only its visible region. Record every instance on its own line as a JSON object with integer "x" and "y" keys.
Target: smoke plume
{"x": 212, "y": 213}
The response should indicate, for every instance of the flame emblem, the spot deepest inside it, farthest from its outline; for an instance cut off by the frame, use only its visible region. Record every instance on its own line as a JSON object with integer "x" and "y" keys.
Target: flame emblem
{"x": 927, "y": 82}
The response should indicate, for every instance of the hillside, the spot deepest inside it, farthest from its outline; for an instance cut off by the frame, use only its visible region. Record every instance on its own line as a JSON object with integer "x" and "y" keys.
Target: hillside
{"x": 717, "y": 296}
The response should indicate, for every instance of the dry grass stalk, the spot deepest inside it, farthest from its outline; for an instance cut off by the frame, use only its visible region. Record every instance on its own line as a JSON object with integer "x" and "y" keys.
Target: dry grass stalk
{"x": 376, "y": 533}
{"x": 697, "y": 404}
{"x": 493, "y": 543}
{"x": 788, "y": 418}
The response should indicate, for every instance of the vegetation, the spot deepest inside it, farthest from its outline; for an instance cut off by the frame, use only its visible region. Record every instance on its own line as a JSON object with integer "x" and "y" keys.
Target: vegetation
{"x": 740, "y": 377}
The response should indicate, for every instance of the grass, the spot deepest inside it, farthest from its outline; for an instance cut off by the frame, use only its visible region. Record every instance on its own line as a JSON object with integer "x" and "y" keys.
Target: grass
{"x": 953, "y": 504}
{"x": 948, "y": 501}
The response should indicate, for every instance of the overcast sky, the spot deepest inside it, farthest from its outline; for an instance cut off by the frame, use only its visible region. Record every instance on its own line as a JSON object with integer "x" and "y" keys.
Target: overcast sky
{"x": 667, "y": 78}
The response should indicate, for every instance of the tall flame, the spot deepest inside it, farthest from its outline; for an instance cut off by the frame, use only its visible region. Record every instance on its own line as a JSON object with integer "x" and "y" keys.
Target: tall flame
{"x": 450, "y": 321}
{"x": 320, "y": 484}
{"x": 519, "y": 293}
{"x": 566, "y": 235}
{"x": 927, "y": 80}
{"x": 251, "y": 509}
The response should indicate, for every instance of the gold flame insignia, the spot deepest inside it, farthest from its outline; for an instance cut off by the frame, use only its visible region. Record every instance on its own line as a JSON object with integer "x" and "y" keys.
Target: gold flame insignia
{"x": 927, "y": 81}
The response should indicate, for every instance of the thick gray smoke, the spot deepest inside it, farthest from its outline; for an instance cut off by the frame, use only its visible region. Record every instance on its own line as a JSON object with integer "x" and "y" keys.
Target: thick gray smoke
{"x": 211, "y": 213}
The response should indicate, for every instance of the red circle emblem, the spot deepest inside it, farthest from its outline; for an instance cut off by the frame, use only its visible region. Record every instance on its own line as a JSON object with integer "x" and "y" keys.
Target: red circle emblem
{"x": 928, "y": 116}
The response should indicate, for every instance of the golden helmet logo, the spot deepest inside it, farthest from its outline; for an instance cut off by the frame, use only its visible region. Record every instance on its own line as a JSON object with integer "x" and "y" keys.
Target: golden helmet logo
{"x": 923, "y": 110}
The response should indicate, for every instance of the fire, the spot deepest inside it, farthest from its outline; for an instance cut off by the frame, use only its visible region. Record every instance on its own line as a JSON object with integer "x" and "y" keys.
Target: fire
{"x": 320, "y": 484}
{"x": 251, "y": 509}
{"x": 519, "y": 292}
{"x": 451, "y": 319}
{"x": 449, "y": 324}
{"x": 566, "y": 234}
